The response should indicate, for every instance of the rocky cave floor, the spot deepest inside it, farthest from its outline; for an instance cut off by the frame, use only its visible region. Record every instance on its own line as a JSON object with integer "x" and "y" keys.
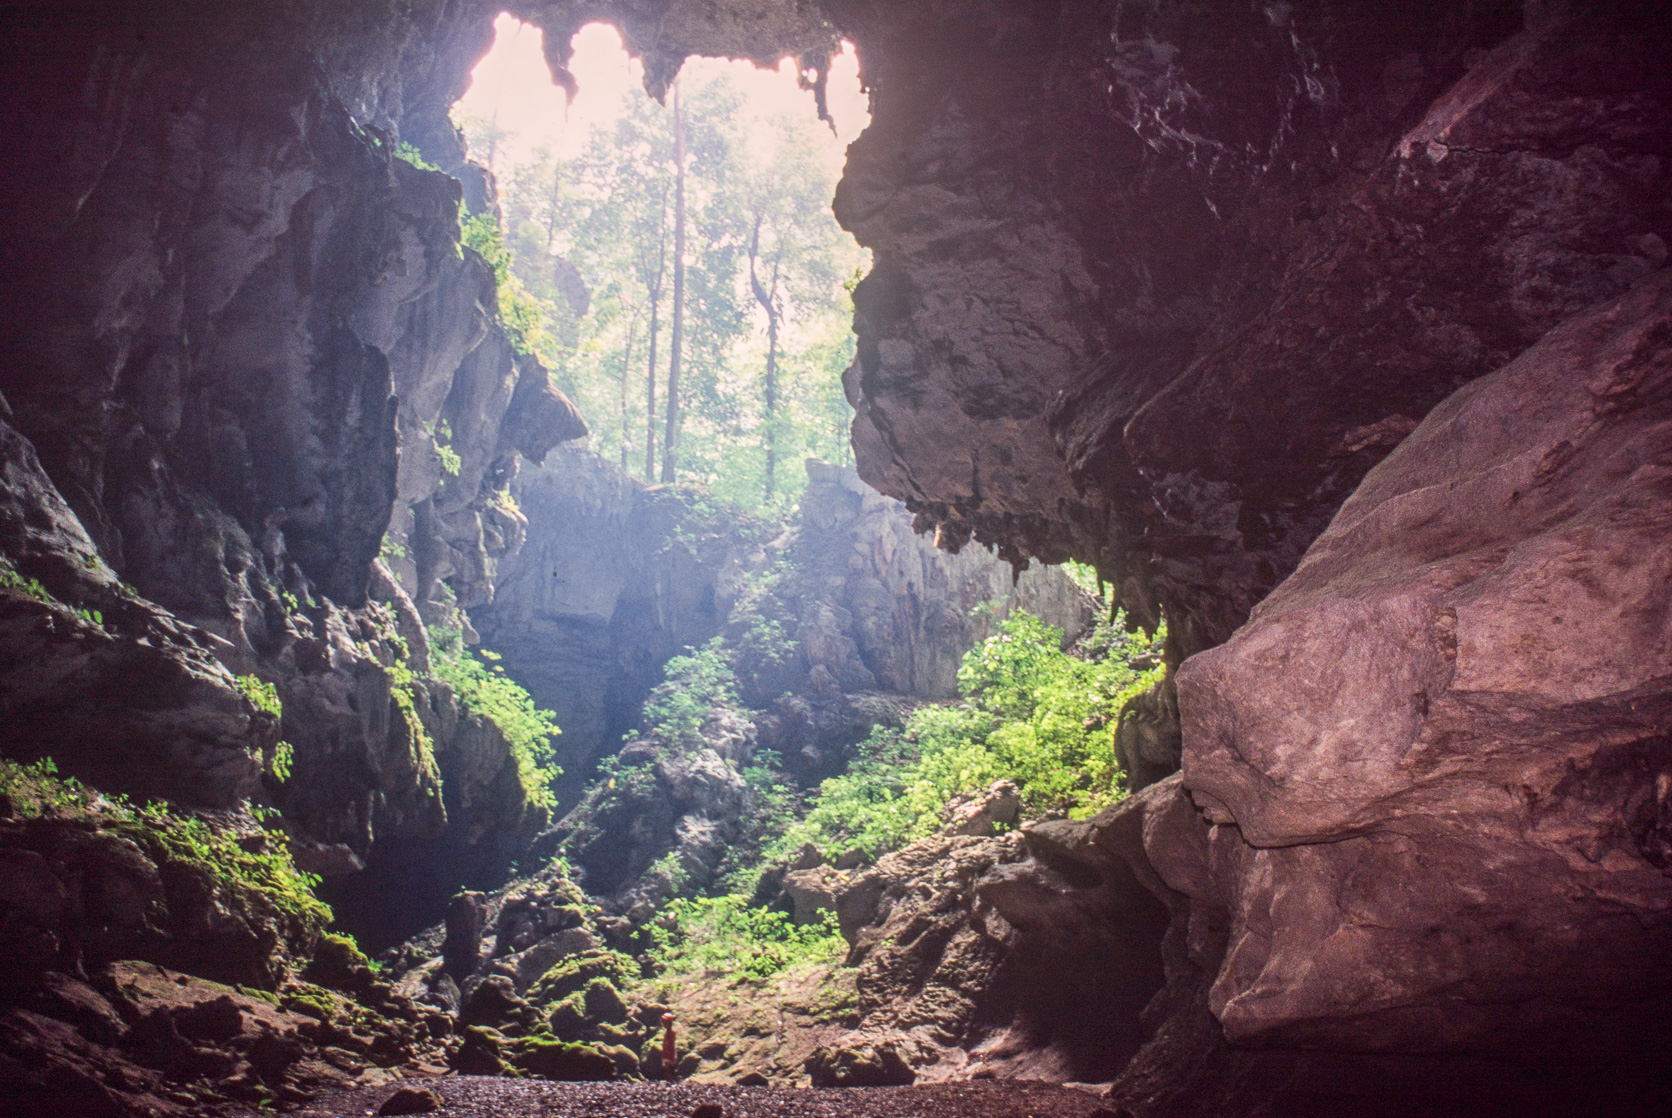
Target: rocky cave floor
{"x": 481, "y": 1097}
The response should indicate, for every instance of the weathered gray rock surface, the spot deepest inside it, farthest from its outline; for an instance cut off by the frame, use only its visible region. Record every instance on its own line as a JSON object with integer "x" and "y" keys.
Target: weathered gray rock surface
{"x": 615, "y": 577}
{"x": 1030, "y": 955}
{"x": 1436, "y": 756}
{"x": 237, "y": 327}
{"x": 1155, "y": 285}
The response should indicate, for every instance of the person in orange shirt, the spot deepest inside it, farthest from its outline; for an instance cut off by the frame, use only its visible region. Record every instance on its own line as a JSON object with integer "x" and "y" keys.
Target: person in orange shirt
{"x": 670, "y": 1049}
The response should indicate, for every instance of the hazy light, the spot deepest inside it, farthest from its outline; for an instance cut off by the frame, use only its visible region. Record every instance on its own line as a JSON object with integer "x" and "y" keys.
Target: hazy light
{"x": 512, "y": 88}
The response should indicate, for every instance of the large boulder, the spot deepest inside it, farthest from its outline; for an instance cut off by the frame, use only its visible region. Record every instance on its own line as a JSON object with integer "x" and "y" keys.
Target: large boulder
{"x": 1441, "y": 742}
{"x": 1418, "y": 847}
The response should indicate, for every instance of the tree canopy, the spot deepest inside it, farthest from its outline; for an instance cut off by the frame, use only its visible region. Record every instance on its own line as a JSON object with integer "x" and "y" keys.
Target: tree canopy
{"x": 767, "y": 274}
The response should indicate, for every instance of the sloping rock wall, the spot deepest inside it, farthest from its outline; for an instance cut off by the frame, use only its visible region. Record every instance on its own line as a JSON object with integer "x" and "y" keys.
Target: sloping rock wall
{"x": 237, "y": 326}
{"x": 1156, "y": 284}
{"x": 616, "y": 577}
{"x": 1435, "y": 759}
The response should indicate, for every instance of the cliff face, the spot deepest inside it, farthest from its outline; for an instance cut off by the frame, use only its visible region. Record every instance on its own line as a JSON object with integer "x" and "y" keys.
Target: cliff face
{"x": 615, "y": 577}
{"x": 1159, "y": 285}
{"x": 1465, "y": 683}
{"x": 1156, "y": 284}
{"x": 235, "y": 324}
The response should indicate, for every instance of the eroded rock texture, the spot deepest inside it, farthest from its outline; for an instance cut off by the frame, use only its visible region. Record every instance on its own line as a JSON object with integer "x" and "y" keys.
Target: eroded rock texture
{"x": 1437, "y": 757}
{"x": 1156, "y": 284}
{"x": 1030, "y": 955}
{"x": 616, "y": 577}
{"x": 237, "y": 327}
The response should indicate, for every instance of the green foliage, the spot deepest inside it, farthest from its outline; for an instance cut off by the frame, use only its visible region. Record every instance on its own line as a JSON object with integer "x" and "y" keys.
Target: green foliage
{"x": 177, "y": 843}
{"x": 441, "y": 436}
{"x": 269, "y": 870}
{"x": 261, "y": 694}
{"x": 1086, "y": 577}
{"x": 411, "y": 155}
{"x": 486, "y": 690}
{"x": 725, "y": 935}
{"x": 11, "y": 580}
{"x": 605, "y": 217}
{"x": 284, "y": 759}
{"x": 694, "y": 684}
{"x": 1032, "y": 713}
{"x": 519, "y": 312}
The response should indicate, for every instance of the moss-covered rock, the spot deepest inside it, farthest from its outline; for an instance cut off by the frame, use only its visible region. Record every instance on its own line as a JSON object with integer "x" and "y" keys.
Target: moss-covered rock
{"x": 481, "y": 1052}
{"x": 568, "y": 1018}
{"x": 221, "y": 901}
{"x": 495, "y": 1002}
{"x": 603, "y": 1003}
{"x": 339, "y": 964}
{"x": 573, "y": 974}
{"x": 860, "y": 1065}
{"x": 546, "y": 1057}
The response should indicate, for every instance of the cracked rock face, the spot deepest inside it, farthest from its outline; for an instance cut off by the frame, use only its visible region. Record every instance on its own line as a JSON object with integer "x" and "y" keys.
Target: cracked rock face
{"x": 1155, "y": 285}
{"x": 1450, "y": 722}
{"x": 237, "y": 330}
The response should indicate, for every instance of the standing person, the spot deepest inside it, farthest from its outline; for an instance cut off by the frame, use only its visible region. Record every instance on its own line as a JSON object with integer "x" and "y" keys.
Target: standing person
{"x": 670, "y": 1049}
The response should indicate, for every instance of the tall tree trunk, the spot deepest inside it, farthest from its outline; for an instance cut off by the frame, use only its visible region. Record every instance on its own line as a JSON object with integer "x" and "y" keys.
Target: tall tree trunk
{"x": 676, "y": 340}
{"x": 551, "y": 217}
{"x": 655, "y": 325}
{"x": 772, "y": 385}
{"x": 767, "y": 297}
{"x": 626, "y": 374}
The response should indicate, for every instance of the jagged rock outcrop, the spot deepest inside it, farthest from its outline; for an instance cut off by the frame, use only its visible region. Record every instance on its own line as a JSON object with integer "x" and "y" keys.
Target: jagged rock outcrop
{"x": 1028, "y": 955}
{"x": 894, "y": 613}
{"x": 526, "y": 973}
{"x": 1447, "y": 792}
{"x": 1155, "y": 285}
{"x": 97, "y": 677}
{"x": 615, "y": 577}
{"x": 241, "y": 333}
{"x": 154, "y": 962}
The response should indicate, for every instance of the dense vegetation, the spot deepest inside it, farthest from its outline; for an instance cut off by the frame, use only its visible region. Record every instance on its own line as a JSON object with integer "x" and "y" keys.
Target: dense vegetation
{"x": 243, "y": 875}
{"x": 585, "y": 259}
{"x": 485, "y": 690}
{"x": 1031, "y": 713}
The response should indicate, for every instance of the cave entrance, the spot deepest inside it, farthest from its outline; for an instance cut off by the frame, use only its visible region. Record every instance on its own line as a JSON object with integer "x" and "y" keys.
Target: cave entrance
{"x": 676, "y": 265}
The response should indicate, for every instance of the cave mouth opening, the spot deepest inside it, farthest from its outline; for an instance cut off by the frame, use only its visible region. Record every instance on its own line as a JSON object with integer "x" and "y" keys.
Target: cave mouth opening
{"x": 729, "y": 354}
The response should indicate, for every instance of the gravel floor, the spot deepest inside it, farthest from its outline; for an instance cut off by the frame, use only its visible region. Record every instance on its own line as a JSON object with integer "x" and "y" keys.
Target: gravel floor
{"x": 474, "y": 1097}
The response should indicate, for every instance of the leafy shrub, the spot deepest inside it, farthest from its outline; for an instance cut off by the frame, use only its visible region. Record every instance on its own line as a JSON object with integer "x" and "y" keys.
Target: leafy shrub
{"x": 693, "y": 685}
{"x": 11, "y": 580}
{"x": 519, "y": 312}
{"x": 1032, "y": 713}
{"x": 487, "y": 691}
{"x": 410, "y": 154}
{"x": 724, "y": 935}
{"x": 261, "y": 694}
{"x": 284, "y": 759}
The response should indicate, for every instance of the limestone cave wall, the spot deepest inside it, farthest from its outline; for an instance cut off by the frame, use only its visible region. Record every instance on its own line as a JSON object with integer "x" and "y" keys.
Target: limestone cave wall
{"x": 1335, "y": 333}
{"x": 236, "y": 325}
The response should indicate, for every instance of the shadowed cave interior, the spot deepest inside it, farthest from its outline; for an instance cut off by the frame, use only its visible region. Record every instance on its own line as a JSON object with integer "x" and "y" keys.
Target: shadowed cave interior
{"x": 1139, "y": 565}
